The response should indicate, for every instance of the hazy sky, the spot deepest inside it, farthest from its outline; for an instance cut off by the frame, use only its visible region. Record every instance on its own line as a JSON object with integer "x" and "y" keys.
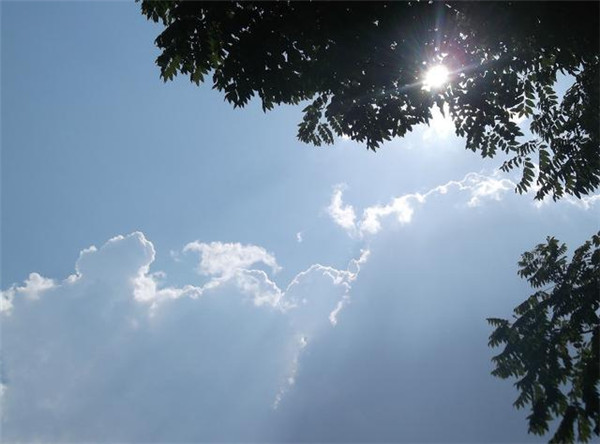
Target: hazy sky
{"x": 176, "y": 270}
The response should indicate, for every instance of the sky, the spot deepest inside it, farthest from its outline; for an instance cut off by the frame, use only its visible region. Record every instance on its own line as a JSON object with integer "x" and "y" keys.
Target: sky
{"x": 174, "y": 270}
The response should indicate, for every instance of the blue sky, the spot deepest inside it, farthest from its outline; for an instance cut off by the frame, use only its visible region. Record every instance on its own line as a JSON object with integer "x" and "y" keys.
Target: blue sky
{"x": 242, "y": 286}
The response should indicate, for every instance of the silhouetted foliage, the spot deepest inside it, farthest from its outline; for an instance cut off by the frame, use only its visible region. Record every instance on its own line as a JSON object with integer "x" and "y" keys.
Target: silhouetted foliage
{"x": 361, "y": 65}
{"x": 552, "y": 343}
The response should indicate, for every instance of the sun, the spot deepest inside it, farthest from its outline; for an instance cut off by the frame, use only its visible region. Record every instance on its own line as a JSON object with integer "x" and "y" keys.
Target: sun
{"x": 436, "y": 77}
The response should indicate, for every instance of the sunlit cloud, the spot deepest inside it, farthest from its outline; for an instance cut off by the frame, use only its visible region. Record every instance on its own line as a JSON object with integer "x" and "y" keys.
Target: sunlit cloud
{"x": 311, "y": 308}
{"x": 478, "y": 188}
{"x": 32, "y": 288}
{"x": 225, "y": 259}
{"x": 343, "y": 215}
{"x": 493, "y": 188}
{"x": 126, "y": 308}
{"x": 232, "y": 263}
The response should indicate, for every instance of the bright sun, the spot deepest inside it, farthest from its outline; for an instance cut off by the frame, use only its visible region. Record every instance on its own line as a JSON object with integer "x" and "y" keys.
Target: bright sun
{"x": 436, "y": 77}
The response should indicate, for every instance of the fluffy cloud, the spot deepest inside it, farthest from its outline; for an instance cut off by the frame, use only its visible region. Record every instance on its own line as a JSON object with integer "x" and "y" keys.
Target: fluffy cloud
{"x": 232, "y": 262}
{"x": 343, "y": 215}
{"x": 312, "y": 303}
{"x": 135, "y": 255}
{"x": 111, "y": 344}
{"x": 225, "y": 259}
{"x": 402, "y": 207}
{"x": 477, "y": 188}
{"x": 32, "y": 288}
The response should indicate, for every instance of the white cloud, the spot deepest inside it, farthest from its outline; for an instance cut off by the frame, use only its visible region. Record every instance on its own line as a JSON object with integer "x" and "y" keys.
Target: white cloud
{"x": 343, "y": 215}
{"x": 135, "y": 252}
{"x": 478, "y": 188}
{"x": 225, "y": 259}
{"x": 232, "y": 262}
{"x": 312, "y": 303}
{"x": 218, "y": 258}
{"x": 299, "y": 237}
{"x": 115, "y": 338}
{"x": 402, "y": 207}
{"x": 482, "y": 188}
{"x": 256, "y": 283}
{"x": 312, "y": 309}
{"x": 33, "y": 287}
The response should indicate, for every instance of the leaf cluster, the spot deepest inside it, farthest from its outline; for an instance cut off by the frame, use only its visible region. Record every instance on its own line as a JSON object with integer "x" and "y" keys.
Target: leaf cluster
{"x": 551, "y": 346}
{"x": 360, "y": 66}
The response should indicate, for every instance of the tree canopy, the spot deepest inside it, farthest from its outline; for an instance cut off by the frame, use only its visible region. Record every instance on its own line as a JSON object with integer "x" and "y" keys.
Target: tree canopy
{"x": 552, "y": 345}
{"x": 361, "y": 67}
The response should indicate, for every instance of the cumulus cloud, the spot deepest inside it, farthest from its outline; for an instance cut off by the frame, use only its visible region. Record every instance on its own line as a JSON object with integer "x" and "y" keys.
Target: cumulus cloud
{"x": 225, "y": 259}
{"x": 486, "y": 187}
{"x": 32, "y": 288}
{"x": 402, "y": 207}
{"x": 478, "y": 188}
{"x": 311, "y": 307}
{"x": 232, "y": 263}
{"x": 135, "y": 251}
{"x": 343, "y": 215}
{"x": 327, "y": 305}
{"x": 114, "y": 343}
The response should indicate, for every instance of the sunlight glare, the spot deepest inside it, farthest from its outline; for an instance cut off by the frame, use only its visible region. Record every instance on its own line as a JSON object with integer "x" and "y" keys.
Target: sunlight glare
{"x": 436, "y": 77}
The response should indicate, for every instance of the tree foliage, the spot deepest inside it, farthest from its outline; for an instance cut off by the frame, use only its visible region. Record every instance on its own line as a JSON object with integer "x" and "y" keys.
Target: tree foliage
{"x": 361, "y": 64}
{"x": 552, "y": 343}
